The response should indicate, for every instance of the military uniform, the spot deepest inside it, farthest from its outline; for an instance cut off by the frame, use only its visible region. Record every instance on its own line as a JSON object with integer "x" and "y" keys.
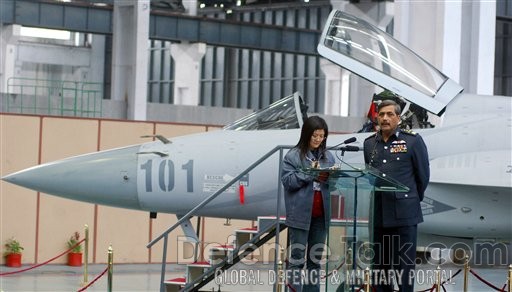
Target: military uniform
{"x": 404, "y": 158}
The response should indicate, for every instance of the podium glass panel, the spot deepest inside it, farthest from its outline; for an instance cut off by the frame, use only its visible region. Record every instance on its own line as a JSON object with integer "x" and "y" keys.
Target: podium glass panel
{"x": 349, "y": 243}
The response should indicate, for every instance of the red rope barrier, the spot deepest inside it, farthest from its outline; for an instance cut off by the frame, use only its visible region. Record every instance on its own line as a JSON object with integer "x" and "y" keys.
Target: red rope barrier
{"x": 95, "y": 279}
{"x": 504, "y": 287}
{"x": 336, "y": 269}
{"x": 484, "y": 281}
{"x": 43, "y": 263}
{"x": 290, "y": 287}
{"x": 428, "y": 289}
{"x": 449, "y": 279}
{"x": 433, "y": 288}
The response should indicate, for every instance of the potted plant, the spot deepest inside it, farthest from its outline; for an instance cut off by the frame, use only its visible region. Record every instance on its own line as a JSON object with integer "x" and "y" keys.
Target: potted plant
{"x": 75, "y": 255}
{"x": 12, "y": 253}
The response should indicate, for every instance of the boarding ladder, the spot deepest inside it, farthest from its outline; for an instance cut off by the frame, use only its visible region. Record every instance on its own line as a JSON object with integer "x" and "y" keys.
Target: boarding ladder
{"x": 232, "y": 254}
{"x": 223, "y": 257}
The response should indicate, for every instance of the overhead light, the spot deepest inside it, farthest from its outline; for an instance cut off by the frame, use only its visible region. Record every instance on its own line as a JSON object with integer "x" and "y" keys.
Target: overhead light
{"x": 238, "y": 2}
{"x": 202, "y": 5}
{"x": 229, "y": 11}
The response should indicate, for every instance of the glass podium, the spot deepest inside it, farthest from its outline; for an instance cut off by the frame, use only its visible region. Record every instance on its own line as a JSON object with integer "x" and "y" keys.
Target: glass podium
{"x": 349, "y": 239}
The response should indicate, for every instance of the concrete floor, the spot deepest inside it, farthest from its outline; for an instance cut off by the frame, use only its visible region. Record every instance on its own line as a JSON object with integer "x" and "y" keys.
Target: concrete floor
{"x": 146, "y": 277}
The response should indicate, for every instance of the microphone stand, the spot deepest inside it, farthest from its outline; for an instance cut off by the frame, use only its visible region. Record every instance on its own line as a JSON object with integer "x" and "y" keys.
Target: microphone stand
{"x": 348, "y": 148}
{"x": 355, "y": 177}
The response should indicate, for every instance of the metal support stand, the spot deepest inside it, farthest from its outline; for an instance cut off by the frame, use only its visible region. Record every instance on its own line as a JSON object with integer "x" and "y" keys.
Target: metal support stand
{"x": 86, "y": 254}
{"x": 110, "y": 268}
{"x": 466, "y": 272}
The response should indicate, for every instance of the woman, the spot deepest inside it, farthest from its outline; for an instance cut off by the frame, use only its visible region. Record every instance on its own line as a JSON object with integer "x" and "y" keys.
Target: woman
{"x": 307, "y": 204}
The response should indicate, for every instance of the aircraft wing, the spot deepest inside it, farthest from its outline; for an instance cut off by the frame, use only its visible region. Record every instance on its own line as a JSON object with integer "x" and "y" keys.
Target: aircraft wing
{"x": 367, "y": 51}
{"x": 483, "y": 168}
{"x": 472, "y": 145}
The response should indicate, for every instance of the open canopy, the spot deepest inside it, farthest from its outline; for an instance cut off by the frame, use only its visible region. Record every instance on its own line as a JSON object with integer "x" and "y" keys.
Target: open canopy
{"x": 369, "y": 52}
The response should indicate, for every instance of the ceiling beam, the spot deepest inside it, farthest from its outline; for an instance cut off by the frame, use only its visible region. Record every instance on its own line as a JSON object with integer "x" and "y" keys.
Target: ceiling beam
{"x": 89, "y": 18}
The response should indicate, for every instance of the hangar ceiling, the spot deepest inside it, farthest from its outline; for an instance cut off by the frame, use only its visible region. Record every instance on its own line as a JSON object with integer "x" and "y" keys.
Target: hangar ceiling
{"x": 95, "y": 16}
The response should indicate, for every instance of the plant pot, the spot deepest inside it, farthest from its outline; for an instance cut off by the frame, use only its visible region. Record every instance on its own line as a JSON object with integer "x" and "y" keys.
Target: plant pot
{"x": 75, "y": 259}
{"x": 13, "y": 260}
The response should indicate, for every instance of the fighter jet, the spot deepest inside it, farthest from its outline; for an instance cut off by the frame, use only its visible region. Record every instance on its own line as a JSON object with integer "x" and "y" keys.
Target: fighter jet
{"x": 469, "y": 196}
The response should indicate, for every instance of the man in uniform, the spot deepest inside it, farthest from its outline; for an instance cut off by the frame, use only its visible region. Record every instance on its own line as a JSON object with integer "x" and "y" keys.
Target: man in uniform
{"x": 401, "y": 155}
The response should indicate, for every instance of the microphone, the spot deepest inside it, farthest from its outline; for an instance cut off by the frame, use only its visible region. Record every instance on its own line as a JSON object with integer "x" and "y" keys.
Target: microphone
{"x": 346, "y": 147}
{"x": 350, "y": 148}
{"x": 349, "y": 140}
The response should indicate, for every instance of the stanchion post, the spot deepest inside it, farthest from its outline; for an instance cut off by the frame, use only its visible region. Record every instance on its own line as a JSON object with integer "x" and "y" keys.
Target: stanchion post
{"x": 280, "y": 271}
{"x": 348, "y": 262}
{"x": 110, "y": 267}
{"x": 367, "y": 279}
{"x": 510, "y": 278}
{"x": 86, "y": 253}
{"x": 438, "y": 279}
{"x": 466, "y": 273}
{"x": 349, "y": 257}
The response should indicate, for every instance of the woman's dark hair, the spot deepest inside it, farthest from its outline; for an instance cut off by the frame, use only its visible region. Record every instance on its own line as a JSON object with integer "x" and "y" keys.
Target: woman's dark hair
{"x": 311, "y": 124}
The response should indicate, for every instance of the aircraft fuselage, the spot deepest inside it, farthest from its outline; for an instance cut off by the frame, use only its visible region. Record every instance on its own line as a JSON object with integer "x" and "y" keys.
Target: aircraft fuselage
{"x": 469, "y": 194}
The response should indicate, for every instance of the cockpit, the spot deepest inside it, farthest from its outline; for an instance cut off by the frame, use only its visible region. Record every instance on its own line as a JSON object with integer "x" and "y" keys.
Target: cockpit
{"x": 286, "y": 113}
{"x": 367, "y": 51}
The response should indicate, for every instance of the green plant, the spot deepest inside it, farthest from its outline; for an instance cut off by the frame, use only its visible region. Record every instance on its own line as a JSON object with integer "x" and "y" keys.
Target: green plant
{"x": 72, "y": 242}
{"x": 12, "y": 246}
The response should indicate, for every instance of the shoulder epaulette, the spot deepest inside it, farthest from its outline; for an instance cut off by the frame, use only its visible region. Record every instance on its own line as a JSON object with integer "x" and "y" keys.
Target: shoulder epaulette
{"x": 409, "y": 132}
{"x": 371, "y": 136}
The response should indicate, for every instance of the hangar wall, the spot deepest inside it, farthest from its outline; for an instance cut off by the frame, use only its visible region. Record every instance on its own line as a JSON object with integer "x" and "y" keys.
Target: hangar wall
{"x": 43, "y": 223}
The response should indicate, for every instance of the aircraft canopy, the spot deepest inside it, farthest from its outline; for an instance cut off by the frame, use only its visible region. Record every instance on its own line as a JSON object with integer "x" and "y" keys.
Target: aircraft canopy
{"x": 369, "y": 52}
{"x": 286, "y": 113}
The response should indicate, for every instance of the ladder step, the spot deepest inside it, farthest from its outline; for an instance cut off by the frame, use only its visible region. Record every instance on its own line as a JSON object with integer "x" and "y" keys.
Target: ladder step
{"x": 174, "y": 285}
{"x": 196, "y": 269}
{"x": 243, "y": 235}
{"x": 199, "y": 264}
{"x": 219, "y": 252}
{"x": 266, "y": 221}
{"x": 178, "y": 281}
{"x": 248, "y": 230}
{"x": 226, "y": 247}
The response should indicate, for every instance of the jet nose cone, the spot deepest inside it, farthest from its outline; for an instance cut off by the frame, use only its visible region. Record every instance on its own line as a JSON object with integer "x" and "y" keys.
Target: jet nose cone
{"x": 12, "y": 178}
{"x": 107, "y": 177}
{"x": 27, "y": 177}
